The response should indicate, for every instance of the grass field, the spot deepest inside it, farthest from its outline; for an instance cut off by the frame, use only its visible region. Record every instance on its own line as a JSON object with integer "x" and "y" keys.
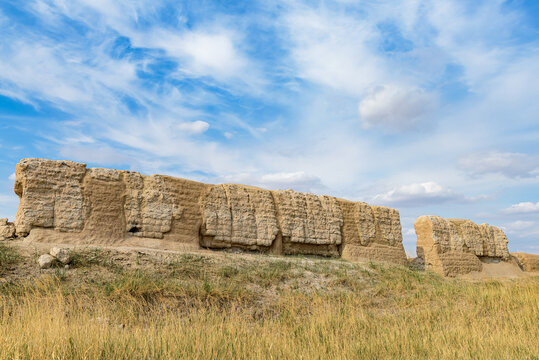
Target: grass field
{"x": 259, "y": 307}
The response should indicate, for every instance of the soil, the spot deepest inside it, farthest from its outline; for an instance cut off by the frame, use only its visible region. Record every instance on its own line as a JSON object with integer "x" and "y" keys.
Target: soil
{"x": 130, "y": 257}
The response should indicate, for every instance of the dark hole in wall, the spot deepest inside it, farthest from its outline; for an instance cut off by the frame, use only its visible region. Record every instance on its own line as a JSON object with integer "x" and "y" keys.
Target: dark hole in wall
{"x": 134, "y": 229}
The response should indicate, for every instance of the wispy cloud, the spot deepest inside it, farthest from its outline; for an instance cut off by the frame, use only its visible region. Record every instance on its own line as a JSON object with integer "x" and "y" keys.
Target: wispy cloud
{"x": 522, "y": 229}
{"x": 422, "y": 194}
{"x": 195, "y": 127}
{"x": 512, "y": 165}
{"x": 299, "y": 181}
{"x": 523, "y": 208}
{"x": 396, "y": 108}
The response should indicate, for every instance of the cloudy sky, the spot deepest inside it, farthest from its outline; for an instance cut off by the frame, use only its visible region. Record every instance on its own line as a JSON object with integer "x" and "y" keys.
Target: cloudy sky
{"x": 431, "y": 107}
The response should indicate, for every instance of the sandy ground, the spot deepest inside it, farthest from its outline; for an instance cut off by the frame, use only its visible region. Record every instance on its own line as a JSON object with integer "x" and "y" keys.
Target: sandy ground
{"x": 498, "y": 270}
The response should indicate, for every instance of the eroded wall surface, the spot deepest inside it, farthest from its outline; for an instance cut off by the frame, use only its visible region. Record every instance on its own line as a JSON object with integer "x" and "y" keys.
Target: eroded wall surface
{"x": 455, "y": 246}
{"x": 66, "y": 201}
{"x": 528, "y": 262}
{"x": 372, "y": 232}
{"x": 7, "y": 229}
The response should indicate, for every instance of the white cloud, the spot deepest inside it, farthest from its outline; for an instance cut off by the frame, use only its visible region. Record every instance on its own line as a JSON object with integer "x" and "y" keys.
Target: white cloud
{"x": 73, "y": 138}
{"x": 523, "y": 229}
{"x": 208, "y": 53}
{"x": 67, "y": 77}
{"x": 215, "y": 52}
{"x": 195, "y": 127}
{"x": 102, "y": 154}
{"x": 409, "y": 232}
{"x": 396, "y": 107}
{"x": 90, "y": 85}
{"x": 19, "y": 69}
{"x": 520, "y": 225}
{"x": 291, "y": 180}
{"x": 522, "y": 208}
{"x": 12, "y": 177}
{"x": 512, "y": 165}
{"x": 299, "y": 181}
{"x": 465, "y": 32}
{"x": 161, "y": 139}
{"x": 417, "y": 194}
{"x": 331, "y": 49}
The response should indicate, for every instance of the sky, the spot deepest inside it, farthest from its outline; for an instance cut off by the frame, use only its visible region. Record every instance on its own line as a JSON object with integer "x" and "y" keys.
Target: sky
{"x": 430, "y": 107}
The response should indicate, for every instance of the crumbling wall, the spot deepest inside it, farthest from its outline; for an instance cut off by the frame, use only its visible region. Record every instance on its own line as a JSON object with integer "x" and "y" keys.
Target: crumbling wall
{"x": 310, "y": 224}
{"x": 455, "y": 246}
{"x": 290, "y": 222}
{"x": 158, "y": 205}
{"x": 51, "y": 195}
{"x": 528, "y": 262}
{"x": 63, "y": 201}
{"x": 371, "y": 232}
{"x": 7, "y": 229}
{"x": 241, "y": 216}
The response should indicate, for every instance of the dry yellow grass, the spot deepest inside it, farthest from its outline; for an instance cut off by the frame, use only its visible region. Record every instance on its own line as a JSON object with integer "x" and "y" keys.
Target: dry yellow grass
{"x": 367, "y": 311}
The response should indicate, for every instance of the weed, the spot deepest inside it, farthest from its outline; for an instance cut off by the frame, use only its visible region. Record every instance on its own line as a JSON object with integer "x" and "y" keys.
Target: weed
{"x": 137, "y": 284}
{"x": 229, "y": 271}
{"x": 8, "y": 255}
{"x": 272, "y": 272}
{"x": 60, "y": 274}
{"x": 88, "y": 257}
{"x": 192, "y": 266}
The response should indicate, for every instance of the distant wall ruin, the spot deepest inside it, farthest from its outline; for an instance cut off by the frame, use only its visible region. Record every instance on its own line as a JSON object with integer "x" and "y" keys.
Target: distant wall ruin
{"x": 454, "y": 246}
{"x": 64, "y": 201}
{"x": 528, "y": 262}
{"x": 7, "y": 229}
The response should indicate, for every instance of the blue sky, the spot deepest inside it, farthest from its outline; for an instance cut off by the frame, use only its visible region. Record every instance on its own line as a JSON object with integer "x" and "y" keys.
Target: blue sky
{"x": 426, "y": 106}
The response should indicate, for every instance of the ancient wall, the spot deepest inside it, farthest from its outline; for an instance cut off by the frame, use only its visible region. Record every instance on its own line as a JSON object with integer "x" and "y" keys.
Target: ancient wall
{"x": 528, "y": 262}
{"x": 7, "y": 229}
{"x": 455, "y": 246}
{"x": 289, "y": 222}
{"x": 63, "y": 201}
{"x": 371, "y": 232}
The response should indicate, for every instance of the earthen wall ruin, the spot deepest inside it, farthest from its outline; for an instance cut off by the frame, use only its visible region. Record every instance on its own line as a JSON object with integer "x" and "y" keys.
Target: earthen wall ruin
{"x": 527, "y": 262}
{"x": 456, "y": 246}
{"x": 64, "y": 201}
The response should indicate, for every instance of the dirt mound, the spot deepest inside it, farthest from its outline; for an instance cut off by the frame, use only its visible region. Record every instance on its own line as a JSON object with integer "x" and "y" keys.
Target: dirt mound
{"x": 497, "y": 269}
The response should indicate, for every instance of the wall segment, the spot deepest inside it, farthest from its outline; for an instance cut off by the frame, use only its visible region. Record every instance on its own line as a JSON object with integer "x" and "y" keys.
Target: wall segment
{"x": 64, "y": 201}
{"x": 456, "y": 246}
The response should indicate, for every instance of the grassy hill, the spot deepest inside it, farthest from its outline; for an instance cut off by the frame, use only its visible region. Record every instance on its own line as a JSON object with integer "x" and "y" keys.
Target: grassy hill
{"x": 142, "y": 304}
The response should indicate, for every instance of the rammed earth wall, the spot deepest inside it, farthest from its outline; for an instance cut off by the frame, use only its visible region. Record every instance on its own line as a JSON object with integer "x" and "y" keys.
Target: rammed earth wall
{"x": 64, "y": 201}
{"x": 455, "y": 246}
